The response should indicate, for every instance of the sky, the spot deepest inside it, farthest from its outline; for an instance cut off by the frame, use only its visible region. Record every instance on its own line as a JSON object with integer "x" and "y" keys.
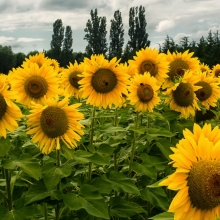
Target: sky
{"x": 28, "y": 25}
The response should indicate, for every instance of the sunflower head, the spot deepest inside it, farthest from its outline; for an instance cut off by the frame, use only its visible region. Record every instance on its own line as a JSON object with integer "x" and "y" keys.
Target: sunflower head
{"x": 57, "y": 121}
{"x": 103, "y": 82}
{"x": 151, "y": 61}
{"x": 143, "y": 92}
{"x": 34, "y": 83}
{"x": 70, "y": 77}
{"x": 196, "y": 159}
{"x": 38, "y": 58}
{"x": 216, "y": 70}
{"x": 3, "y": 106}
{"x": 182, "y": 96}
{"x": 179, "y": 63}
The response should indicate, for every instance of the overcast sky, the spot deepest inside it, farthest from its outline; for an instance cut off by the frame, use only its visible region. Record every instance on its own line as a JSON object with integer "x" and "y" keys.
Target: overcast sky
{"x": 28, "y": 25}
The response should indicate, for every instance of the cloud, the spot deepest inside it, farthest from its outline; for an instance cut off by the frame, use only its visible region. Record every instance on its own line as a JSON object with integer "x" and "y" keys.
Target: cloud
{"x": 4, "y": 39}
{"x": 25, "y": 39}
{"x": 165, "y": 25}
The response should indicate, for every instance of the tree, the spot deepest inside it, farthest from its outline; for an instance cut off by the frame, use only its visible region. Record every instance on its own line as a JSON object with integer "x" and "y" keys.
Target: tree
{"x": 137, "y": 29}
{"x": 184, "y": 43}
{"x": 116, "y": 36}
{"x": 96, "y": 34}
{"x": 66, "y": 55}
{"x": 20, "y": 58}
{"x": 57, "y": 39}
{"x": 7, "y": 59}
{"x": 168, "y": 44}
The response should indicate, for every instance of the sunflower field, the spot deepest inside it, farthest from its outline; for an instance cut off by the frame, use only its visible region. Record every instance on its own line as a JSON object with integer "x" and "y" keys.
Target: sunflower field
{"x": 103, "y": 139}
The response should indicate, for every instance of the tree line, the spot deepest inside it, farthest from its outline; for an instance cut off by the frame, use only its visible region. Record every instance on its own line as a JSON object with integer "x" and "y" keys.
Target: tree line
{"x": 207, "y": 49}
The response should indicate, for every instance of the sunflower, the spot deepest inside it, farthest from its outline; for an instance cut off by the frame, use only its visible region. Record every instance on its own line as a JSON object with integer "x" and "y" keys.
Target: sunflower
{"x": 54, "y": 122}
{"x": 209, "y": 93}
{"x": 179, "y": 63}
{"x": 150, "y": 60}
{"x": 197, "y": 176}
{"x": 205, "y": 68}
{"x": 70, "y": 78}
{"x": 182, "y": 97}
{"x": 216, "y": 70}
{"x": 143, "y": 92}
{"x": 53, "y": 63}
{"x": 38, "y": 58}
{"x": 34, "y": 83}
{"x": 9, "y": 112}
{"x": 103, "y": 82}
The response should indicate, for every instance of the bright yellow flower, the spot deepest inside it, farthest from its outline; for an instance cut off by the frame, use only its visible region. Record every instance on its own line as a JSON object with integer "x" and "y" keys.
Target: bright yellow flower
{"x": 38, "y": 58}
{"x": 179, "y": 63}
{"x": 9, "y": 112}
{"x": 34, "y": 83}
{"x": 103, "y": 82}
{"x": 143, "y": 92}
{"x": 205, "y": 68}
{"x": 70, "y": 78}
{"x": 197, "y": 176}
{"x": 216, "y": 70}
{"x": 209, "y": 93}
{"x": 182, "y": 97}
{"x": 150, "y": 60}
{"x": 53, "y": 123}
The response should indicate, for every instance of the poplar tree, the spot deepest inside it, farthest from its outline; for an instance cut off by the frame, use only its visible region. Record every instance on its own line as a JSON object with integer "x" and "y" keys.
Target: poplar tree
{"x": 116, "y": 36}
{"x": 137, "y": 29}
{"x": 67, "y": 51}
{"x": 57, "y": 39}
{"x": 96, "y": 34}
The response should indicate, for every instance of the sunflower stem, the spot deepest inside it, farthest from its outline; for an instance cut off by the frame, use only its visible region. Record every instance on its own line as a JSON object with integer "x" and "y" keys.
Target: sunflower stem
{"x": 8, "y": 188}
{"x": 133, "y": 145}
{"x": 57, "y": 208}
{"x": 45, "y": 211}
{"x": 91, "y": 140}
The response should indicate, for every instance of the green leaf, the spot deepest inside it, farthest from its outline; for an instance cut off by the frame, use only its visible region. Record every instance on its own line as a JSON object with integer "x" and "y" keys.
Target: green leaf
{"x": 105, "y": 149}
{"x": 99, "y": 159}
{"x": 140, "y": 130}
{"x": 82, "y": 156}
{"x": 164, "y": 146}
{"x": 72, "y": 201}
{"x": 37, "y": 192}
{"x": 102, "y": 186}
{"x": 156, "y": 196}
{"x": 5, "y": 146}
{"x": 109, "y": 128}
{"x": 153, "y": 161}
{"x": 156, "y": 132}
{"x": 163, "y": 216}
{"x": 25, "y": 163}
{"x": 121, "y": 183}
{"x": 122, "y": 208}
{"x": 52, "y": 174}
{"x": 3, "y": 210}
{"x": 149, "y": 171}
{"x": 31, "y": 167}
{"x": 93, "y": 202}
{"x": 15, "y": 215}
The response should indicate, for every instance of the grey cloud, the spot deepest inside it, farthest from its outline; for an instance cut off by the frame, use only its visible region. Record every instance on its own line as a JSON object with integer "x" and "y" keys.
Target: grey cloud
{"x": 61, "y": 5}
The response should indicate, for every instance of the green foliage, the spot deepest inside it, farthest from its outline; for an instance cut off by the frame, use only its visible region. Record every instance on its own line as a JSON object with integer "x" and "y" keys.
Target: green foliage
{"x": 96, "y": 34}
{"x": 116, "y": 36}
{"x": 7, "y": 59}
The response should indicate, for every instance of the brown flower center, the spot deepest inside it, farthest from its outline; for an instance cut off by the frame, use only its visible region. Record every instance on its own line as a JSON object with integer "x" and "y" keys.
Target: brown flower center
{"x": 145, "y": 92}
{"x": 36, "y": 86}
{"x": 184, "y": 94}
{"x": 3, "y": 106}
{"x": 54, "y": 121}
{"x": 149, "y": 66}
{"x": 204, "y": 184}
{"x": 104, "y": 81}
{"x": 217, "y": 73}
{"x": 205, "y": 92}
{"x": 74, "y": 79}
{"x": 177, "y": 69}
